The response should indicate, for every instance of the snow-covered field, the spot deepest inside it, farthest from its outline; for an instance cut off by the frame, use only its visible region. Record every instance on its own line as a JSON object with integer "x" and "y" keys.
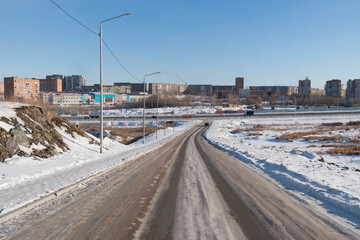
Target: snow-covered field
{"x": 162, "y": 111}
{"x": 25, "y": 179}
{"x": 302, "y": 164}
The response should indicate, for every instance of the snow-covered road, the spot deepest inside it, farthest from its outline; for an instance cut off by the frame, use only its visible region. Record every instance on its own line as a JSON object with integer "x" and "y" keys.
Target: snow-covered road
{"x": 186, "y": 189}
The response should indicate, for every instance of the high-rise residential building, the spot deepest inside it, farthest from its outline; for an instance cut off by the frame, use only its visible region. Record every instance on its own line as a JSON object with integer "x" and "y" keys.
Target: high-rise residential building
{"x": 50, "y": 85}
{"x": 304, "y": 87}
{"x": 21, "y": 87}
{"x": 74, "y": 82}
{"x": 239, "y": 83}
{"x": 353, "y": 89}
{"x": 333, "y": 88}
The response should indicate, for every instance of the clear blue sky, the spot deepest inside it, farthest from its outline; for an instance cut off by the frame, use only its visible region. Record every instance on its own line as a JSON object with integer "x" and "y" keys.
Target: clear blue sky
{"x": 273, "y": 42}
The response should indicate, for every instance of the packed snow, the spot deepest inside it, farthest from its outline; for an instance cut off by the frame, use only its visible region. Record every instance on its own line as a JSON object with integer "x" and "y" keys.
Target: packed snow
{"x": 301, "y": 165}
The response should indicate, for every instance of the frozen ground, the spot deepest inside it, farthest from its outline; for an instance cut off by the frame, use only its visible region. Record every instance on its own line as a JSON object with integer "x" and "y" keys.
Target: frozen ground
{"x": 301, "y": 165}
{"x": 162, "y": 111}
{"x": 25, "y": 179}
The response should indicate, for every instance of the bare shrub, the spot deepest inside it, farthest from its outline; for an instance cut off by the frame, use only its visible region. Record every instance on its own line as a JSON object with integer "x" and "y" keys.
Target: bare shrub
{"x": 343, "y": 149}
{"x": 324, "y": 138}
{"x": 255, "y": 134}
{"x": 296, "y": 135}
{"x": 333, "y": 124}
{"x": 355, "y": 123}
{"x": 350, "y": 152}
{"x": 130, "y": 135}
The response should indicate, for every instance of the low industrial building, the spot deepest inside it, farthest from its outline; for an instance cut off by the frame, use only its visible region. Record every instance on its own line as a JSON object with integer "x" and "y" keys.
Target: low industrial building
{"x": 62, "y": 98}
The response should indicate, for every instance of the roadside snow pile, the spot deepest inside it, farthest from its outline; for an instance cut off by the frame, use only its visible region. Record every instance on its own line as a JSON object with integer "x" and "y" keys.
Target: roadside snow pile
{"x": 317, "y": 157}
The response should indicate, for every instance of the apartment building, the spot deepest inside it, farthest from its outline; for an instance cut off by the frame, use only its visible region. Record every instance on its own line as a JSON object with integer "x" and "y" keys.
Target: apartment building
{"x": 333, "y": 88}
{"x": 304, "y": 87}
{"x": 239, "y": 83}
{"x": 51, "y": 85}
{"x": 199, "y": 89}
{"x": 1, "y": 88}
{"x": 353, "y": 89}
{"x": 73, "y": 82}
{"x": 266, "y": 91}
{"x": 166, "y": 88}
{"x": 21, "y": 87}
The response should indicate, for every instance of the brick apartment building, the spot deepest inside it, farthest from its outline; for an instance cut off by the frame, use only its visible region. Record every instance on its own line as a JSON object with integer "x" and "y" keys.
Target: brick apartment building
{"x": 239, "y": 83}
{"x": 1, "y": 88}
{"x": 21, "y": 87}
{"x": 51, "y": 85}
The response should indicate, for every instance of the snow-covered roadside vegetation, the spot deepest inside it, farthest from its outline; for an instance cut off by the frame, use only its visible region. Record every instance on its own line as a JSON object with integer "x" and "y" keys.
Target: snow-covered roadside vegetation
{"x": 317, "y": 157}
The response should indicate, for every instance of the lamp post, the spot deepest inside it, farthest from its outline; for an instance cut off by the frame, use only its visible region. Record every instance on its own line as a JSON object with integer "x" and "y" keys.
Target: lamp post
{"x": 157, "y": 110}
{"x": 101, "y": 82}
{"x": 144, "y": 105}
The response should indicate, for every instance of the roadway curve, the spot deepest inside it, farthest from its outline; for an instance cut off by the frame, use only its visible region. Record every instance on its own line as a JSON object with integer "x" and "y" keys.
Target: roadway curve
{"x": 186, "y": 189}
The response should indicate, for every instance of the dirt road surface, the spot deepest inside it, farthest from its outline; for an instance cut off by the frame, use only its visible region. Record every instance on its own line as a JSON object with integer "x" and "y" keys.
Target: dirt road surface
{"x": 186, "y": 189}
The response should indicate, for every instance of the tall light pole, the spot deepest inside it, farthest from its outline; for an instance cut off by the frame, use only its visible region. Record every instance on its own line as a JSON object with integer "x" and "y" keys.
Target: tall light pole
{"x": 144, "y": 105}
{"x": 157, "y": 110}
{"x": 101, "y": 82}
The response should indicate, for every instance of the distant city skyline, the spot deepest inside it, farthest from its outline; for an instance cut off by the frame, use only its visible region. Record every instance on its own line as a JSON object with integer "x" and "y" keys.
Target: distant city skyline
{"x": 204, "y": 42}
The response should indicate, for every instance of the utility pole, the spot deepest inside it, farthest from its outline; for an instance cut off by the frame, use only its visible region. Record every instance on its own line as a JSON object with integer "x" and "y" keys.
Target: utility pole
{"x": 101, "y": 82}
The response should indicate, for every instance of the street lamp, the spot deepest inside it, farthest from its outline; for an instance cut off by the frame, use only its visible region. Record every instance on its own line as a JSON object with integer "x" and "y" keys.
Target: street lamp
{"x": 144, "y": 105}
{"x": 157, "y": 110}
{"x": 101, "y": 82}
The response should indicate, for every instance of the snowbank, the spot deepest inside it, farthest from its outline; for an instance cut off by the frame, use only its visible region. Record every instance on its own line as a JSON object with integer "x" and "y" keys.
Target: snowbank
{"x": 333, "y": 180}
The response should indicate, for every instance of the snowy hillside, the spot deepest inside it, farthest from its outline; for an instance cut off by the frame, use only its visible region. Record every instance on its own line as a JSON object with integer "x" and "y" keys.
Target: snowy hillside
{"x": 30, "y": 131}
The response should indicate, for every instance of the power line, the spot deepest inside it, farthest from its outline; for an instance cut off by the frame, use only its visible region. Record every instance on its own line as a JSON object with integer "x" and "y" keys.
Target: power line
{"x": 89, "y": 29}
{"x": 97, "y": 34}
{"x": 119, "y": 61}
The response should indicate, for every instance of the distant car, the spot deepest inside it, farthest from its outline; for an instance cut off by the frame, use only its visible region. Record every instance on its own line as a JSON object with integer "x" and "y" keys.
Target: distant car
{"x": 206, "y": 124}
{"x": 249, "y": 112}
{"x": 87, "y": 117}
{"x": 154, "y": 116}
